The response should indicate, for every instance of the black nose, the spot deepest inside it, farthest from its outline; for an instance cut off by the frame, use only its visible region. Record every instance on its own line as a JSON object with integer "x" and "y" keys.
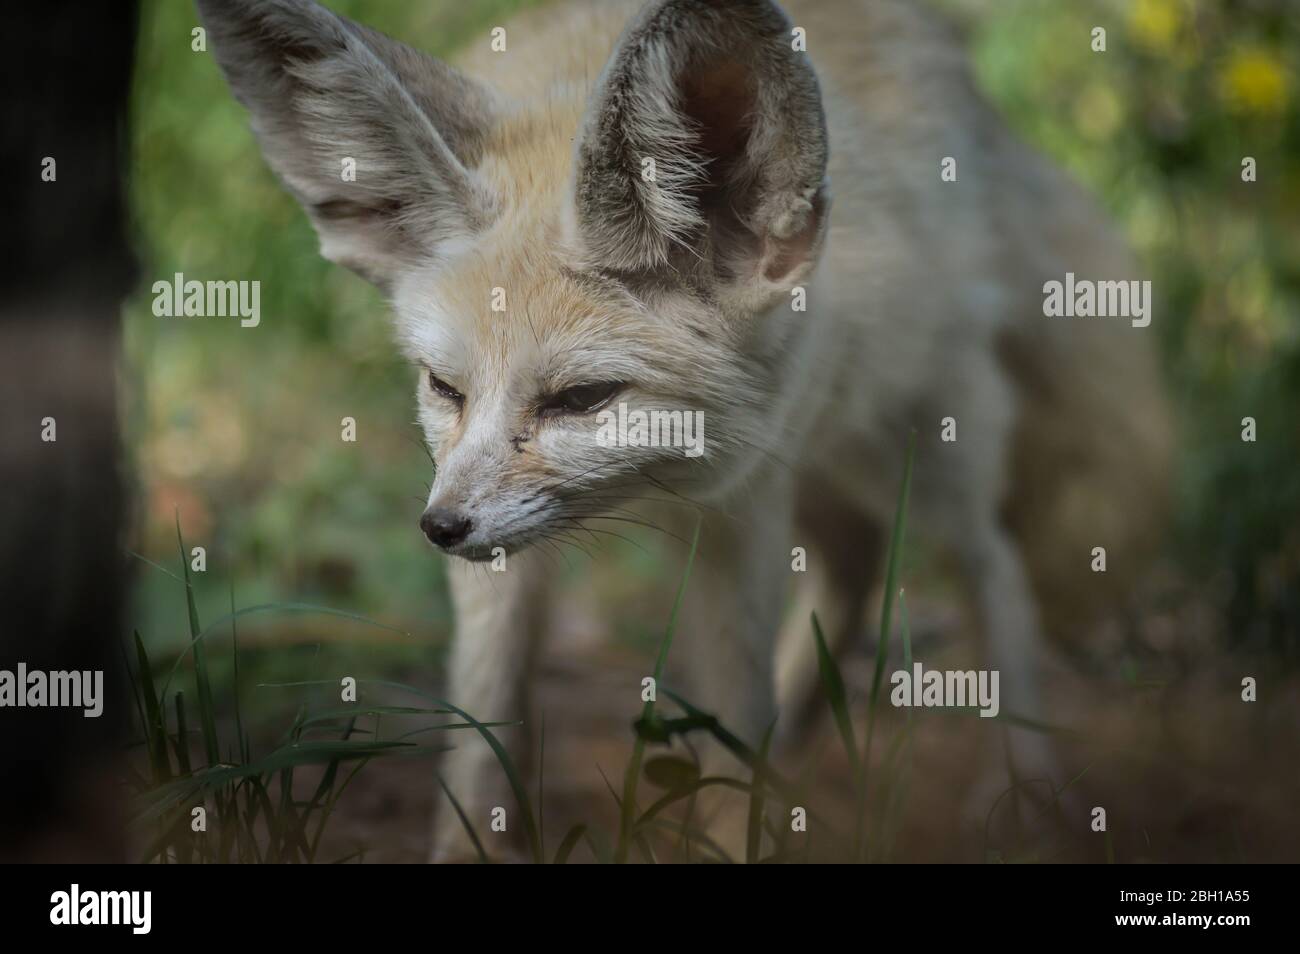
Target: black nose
{"x": 445, "y": 527}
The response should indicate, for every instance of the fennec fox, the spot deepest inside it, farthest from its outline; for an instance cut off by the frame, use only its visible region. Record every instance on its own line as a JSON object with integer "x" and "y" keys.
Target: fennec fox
{"x": 621, "y": 205}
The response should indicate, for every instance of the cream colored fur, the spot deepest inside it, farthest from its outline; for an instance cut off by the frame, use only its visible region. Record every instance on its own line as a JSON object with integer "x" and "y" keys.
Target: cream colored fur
{"x": 917, "y": 292}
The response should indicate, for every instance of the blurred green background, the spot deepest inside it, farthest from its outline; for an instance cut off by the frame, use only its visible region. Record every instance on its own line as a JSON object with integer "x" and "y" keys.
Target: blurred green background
{"x": 237, "y": 431}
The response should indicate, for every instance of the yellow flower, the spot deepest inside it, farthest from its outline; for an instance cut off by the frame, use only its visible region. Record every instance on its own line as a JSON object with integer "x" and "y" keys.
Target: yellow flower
{"x": 1098, "y": 112}
{"x": 1253, "y": 81}
{"x": 1155, "y": 23}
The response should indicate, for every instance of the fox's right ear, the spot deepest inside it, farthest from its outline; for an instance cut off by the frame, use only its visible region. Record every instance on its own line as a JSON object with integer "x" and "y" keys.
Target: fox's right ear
{"x": 375, "y": 139}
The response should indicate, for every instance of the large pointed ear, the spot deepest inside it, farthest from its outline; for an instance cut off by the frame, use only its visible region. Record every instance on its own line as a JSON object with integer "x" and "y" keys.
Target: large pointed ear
{"x": 375, "y": 139}
{"x": 705, "y": 141}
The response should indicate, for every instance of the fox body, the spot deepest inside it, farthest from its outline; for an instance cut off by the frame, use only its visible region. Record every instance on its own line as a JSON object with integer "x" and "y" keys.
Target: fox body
{"x": 622, "y": 208}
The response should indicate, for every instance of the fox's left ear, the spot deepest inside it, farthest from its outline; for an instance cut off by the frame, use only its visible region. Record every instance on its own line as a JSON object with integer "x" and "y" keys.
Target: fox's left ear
{"x": 705, "y": 141}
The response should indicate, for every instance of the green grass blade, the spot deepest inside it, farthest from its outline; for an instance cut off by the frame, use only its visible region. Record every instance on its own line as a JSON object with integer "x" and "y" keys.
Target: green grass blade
{"x": 453, "y": 726}
{"x": 891, "y": 571}
{"x": 207, "y": 711}
{"x": 1053, "y": 805}
{"x": 502, "y": 756}
{"x": 328, "y": 810}
{"x": 569, "y": 843}
{"x": 135, "y": 687}
{"x": 627, "y": 805}
{"x": 754, "y": 833}
{"x": 325, "y": 787}
{"x": 598, "y": 842}
{"x": 152, "y": 804}
{"x": 882, "y": 644}
{"x": 698, "y": 836}
{"x": 273, "y": 607}
{"x": 464, "y": 820}
{"x": 833, "y": 682}
{"x": 241, "y": 740}
{"x": 352, "y": 711}
{"x": 894, "y": 775}
{"x": 687, "y": 791}
{"x": 154, "y": 729}
{"x": 182, "y": 745}
{"x": 701, "y": 719}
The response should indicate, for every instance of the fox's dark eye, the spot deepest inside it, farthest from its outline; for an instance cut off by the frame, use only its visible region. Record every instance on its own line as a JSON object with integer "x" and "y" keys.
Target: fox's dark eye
{"x": 439, "y": 386}
{"x": 582, "y": 398}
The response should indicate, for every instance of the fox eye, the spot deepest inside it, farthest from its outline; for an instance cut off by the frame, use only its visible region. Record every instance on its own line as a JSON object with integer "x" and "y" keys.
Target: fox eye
{"x": 582, "y": 398}
{"x": 439, "y": 386}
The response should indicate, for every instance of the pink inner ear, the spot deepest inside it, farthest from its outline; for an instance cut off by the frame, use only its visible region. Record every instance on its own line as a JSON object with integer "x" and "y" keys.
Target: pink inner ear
{"x": 720, "y": 99}
{"x": 782, "y": 256}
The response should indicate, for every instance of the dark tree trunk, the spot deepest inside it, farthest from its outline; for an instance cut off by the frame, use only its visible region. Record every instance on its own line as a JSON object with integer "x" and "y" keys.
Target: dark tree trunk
{"x": 66, "y": 267}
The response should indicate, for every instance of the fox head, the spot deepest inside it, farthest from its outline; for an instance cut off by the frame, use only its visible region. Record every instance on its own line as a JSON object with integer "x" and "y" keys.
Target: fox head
{"x": 558, "y": 253}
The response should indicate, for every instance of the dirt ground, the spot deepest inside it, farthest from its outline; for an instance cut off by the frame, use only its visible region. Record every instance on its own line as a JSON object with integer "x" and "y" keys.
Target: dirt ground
{"x": 1186, "y": 770}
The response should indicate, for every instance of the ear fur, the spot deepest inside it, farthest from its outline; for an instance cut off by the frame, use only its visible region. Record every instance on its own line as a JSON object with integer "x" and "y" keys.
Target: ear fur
{"x": 713, "y": 92}
{"x": 322, "y": 89}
